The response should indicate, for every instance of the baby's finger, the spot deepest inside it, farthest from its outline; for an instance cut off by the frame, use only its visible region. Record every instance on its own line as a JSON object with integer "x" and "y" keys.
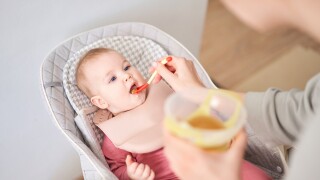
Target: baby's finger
{"x": 139, "y": 170}
{"x": 131, "y": 169}
{"x": 151, "y": 177}
{"x": 146, "y": 172}
{"x": 129, "y": 160}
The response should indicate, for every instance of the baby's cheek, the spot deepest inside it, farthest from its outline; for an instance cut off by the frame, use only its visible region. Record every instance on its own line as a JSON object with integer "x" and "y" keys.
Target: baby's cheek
{"x": 141, "y": 78}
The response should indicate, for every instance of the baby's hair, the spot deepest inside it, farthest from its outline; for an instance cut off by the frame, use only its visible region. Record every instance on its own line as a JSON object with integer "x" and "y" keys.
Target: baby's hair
{"x": 80, "y": 75}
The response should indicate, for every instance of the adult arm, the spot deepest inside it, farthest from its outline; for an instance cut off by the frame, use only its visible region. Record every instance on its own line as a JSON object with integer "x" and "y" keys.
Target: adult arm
{"x": 278, "y": 117}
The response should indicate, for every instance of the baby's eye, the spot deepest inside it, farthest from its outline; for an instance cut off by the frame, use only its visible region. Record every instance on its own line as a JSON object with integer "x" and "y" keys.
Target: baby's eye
{"x": 113, "y": 78}
{"x": 127, "y": 68}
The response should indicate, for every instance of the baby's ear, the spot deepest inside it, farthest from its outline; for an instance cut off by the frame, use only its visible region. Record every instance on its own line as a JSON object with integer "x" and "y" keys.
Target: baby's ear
{"x": 99, "y": 102}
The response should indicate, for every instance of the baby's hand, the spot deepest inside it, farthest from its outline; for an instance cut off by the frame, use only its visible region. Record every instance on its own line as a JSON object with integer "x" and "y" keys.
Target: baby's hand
{"x": 138, "y": 171}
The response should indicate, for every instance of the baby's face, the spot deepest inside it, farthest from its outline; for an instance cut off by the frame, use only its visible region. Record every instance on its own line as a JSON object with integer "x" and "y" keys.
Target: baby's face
{"x": 113, "y": 78}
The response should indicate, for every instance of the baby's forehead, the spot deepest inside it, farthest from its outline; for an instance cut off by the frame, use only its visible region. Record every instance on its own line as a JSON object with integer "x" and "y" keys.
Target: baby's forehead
{"x": 107, "y": 57}
{"x": 114, "y": 56}
{"x": 107, "y": 61}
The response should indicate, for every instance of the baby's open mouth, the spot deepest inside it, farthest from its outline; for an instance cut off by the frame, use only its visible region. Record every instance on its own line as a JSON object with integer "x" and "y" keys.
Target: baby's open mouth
{"x": 133, "y": 88}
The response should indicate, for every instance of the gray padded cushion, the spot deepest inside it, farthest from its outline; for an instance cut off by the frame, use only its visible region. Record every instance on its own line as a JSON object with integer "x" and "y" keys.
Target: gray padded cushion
{"x": 63, "y": 113}
{"x": 58, "y": 104}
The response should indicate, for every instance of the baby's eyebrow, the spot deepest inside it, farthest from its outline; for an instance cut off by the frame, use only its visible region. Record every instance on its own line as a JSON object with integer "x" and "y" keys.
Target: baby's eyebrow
{"x": 107, "y": 75}
{"x": 125, "y": 61}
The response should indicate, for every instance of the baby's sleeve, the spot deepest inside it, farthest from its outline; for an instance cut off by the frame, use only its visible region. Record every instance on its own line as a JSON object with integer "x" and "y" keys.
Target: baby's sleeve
{"x": 116, "y": 159}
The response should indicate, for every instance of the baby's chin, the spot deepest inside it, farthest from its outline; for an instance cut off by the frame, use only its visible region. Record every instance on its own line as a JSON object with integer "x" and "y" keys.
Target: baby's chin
{"x": 137, "y": 99}
{"x": 141, "y": 98}
{"x": 132, "y": 105}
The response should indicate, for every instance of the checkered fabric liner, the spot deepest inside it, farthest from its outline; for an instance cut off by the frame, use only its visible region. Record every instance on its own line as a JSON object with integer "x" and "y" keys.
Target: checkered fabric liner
{"x": 140, "y": 52}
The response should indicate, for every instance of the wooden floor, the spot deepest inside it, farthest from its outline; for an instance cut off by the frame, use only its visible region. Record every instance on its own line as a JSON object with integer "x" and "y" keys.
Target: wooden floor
{"x": 232, "y": 53}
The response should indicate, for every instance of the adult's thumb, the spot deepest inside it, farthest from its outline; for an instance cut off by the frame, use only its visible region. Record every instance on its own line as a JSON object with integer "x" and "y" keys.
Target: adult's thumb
{"x": 239, "y": 145}
{"x": 165, "y": 73}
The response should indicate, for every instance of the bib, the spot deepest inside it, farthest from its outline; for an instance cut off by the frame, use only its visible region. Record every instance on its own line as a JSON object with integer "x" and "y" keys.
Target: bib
{"x": 140, "y": 129}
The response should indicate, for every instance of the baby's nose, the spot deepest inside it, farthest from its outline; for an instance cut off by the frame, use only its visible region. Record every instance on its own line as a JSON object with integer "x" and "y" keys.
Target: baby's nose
{"x": 127, "y": 77}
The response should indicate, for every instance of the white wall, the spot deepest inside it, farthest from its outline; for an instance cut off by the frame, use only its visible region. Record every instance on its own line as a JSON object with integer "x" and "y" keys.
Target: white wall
{"x": 31, "y": 147}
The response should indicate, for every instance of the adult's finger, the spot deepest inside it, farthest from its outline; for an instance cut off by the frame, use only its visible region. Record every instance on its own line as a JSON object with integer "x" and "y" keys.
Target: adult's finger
{"x": 179, "y": 149}
{"x": 158, "y": 76}
{"x": 166, "y": 74}
{"x": 238, "y": 145}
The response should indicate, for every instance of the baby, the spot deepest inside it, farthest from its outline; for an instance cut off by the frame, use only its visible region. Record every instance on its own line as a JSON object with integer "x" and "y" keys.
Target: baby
{"x": 107, "y": 78}
{"x": 132, "y": 123}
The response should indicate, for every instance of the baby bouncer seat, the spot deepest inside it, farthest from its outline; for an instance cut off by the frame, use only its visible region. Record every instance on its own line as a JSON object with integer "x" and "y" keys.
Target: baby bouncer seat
{"x": 72, "y": 112}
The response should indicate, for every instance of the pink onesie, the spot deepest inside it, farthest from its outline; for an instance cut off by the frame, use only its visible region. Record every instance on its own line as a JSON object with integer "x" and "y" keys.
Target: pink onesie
{"x": 116, "y": 159}
{"x": 158, "y": 163}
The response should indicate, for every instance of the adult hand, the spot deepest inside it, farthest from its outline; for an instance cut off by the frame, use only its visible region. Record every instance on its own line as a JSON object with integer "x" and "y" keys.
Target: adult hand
{"x": 179, "y": 73}
{"x": 138, "y": 171}
{"x": 191, "y": 162}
